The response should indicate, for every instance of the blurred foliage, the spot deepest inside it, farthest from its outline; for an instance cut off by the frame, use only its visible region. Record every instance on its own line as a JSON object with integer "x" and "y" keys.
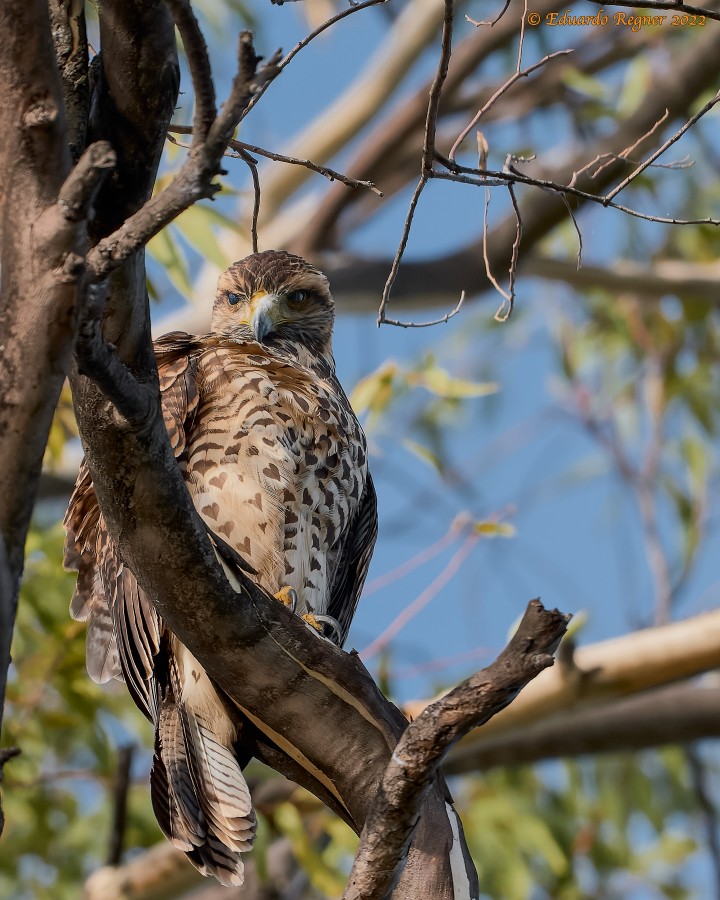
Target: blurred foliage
{"x": 57, "y": 794}
{"x": 580, "y": 830}
{"x": 427, "y": 398}
{"x": 642, "y": 378}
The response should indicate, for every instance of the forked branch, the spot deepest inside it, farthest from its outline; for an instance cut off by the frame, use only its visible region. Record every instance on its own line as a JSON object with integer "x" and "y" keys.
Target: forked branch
{"x": 419, "y": 752}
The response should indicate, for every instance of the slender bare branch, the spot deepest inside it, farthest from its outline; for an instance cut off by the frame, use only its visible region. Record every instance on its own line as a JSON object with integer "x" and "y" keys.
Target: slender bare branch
{"x": 236, "y": 148}
{"x": 516, "y": 76}
{"x": 624, "y": 154}
{"x": 682, "y": 8}
{"x": 484, "y": 178}
{"x": 660, "y": 150}
{"x": 328, "y": 23}
{"x": 199, "y": 64}
{"x": 486, "y": 259}
{"x": 428, "y": 155}
{"x": 420, "y": 602}
{"x": 252, "y": 165}
{"x": 492, "y": 21}
{"x": 578, "y": 256}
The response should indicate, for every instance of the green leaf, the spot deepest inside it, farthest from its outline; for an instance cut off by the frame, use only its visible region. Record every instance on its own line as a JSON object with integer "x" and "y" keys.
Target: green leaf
{"x": 638, "y": 81}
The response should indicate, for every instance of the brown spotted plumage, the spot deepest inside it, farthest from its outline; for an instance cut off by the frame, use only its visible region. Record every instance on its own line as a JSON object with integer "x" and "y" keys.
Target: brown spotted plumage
{"x": 276, "y": 464}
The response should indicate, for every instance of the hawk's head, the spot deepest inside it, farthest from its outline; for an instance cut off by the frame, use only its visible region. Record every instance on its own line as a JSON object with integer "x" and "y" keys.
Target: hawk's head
{"x": 275, "y": 295}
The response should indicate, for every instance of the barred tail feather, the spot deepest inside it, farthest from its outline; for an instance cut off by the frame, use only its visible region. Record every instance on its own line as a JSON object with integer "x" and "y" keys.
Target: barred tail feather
{"x": 172, "y": 791}
{"x": 199, "y": 794}
{"x": 222, "y": 788}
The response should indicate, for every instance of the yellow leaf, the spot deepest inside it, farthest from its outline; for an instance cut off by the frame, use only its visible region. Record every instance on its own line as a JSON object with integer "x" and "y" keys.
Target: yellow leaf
{"x": 494, "y": 529}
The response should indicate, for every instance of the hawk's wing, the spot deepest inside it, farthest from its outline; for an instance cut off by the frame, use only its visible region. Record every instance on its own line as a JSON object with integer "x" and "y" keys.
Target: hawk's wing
{"x": 124, "y": 632}
{"x": 356, "y": 548}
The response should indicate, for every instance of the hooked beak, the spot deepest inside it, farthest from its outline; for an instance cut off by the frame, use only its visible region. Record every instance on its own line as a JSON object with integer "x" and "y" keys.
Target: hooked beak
{"x": 262, "y": 314}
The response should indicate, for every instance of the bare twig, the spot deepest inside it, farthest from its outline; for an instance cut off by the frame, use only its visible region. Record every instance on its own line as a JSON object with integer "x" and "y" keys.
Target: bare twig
{"x": 286, "y": 60}
{"x": 422, "y": 600}
{"x": 417, "y": 756}
{"x": 252, "y": 165}
{"x": 678, "y": 5}
{"x": 441, "y": 320}
{"x": 326, "y": 171}
{"x": 660, "y": 150}
{"x": 486, "y": 259}
{"x": 521, "y": 38}
{"x": 492, "y": 178}
{"x": 492, "y": 21}
{"x": 512, "y": 272}
{"x": 199, "y": 65}
{"x": 428, "y": 156}
{"x": 609, "y": 158}
{"x": 457, "y": 526}
{"x": 577, "y": 229}
{"x": 237, "y": 148}
{"x": 401, "y": 247}
{"x": 516, "y": 76}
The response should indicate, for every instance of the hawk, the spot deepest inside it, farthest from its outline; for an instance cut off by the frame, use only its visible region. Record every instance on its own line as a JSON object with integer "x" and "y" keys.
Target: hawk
{"x": 276, "y": 464}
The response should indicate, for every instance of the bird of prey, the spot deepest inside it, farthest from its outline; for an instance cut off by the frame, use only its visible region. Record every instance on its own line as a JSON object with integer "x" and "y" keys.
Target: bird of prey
{"x": 276, "y": 464}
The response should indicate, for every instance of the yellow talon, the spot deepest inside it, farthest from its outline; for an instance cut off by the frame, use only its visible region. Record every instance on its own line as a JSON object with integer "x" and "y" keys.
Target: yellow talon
{"x": 313, "y": 622}
{"x": 287, "y": 596}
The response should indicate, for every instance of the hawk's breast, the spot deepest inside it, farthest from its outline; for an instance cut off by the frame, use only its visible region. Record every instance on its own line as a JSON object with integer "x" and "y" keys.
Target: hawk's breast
{"x": 276, "y": 466}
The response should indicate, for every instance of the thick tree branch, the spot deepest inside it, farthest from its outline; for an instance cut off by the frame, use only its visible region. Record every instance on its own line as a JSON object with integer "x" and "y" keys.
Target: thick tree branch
{"x": 415, "y": 760}
{"x": 699, "y": 281}
{"x": 668, "y": 715}
{"x": 71, "y": 49}
{"x": 43, "y": 211}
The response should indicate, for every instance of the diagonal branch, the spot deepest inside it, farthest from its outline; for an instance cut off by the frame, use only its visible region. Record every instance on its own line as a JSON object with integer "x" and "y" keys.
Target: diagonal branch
{"x": 415, "y": 760}
{"x": 199, "y": 64}
{"x": 195, "y": 179}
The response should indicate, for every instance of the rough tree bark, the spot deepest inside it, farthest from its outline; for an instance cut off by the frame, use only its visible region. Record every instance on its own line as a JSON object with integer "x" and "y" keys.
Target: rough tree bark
{"x": 42, "y": 218}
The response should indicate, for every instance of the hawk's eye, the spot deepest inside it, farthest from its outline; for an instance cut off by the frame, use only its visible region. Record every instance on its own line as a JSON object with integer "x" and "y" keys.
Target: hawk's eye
{"x": 297, "y": 298}
{"x": 233, "y": 299}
